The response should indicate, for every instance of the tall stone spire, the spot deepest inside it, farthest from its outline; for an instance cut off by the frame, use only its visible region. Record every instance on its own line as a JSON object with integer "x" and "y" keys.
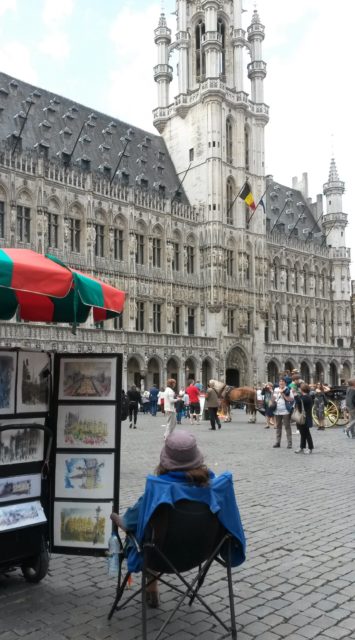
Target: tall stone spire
{"x": 334, "y": 220}
{"x": 163, "y": 72}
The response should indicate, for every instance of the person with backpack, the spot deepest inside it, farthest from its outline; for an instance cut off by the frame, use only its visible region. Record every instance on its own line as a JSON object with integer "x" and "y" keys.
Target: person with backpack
{"x": 124, "y": 406}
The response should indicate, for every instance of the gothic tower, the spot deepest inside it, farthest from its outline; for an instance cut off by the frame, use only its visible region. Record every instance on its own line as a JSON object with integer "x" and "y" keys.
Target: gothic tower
{"x": 214, "y": 128}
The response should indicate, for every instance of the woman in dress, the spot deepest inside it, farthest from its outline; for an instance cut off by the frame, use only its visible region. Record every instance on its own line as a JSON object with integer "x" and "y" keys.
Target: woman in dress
{"x": 320, "y": 401}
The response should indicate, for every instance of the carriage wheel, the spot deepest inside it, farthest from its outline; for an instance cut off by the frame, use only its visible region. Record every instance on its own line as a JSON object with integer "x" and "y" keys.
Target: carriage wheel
{"x": 344, "y": 416}
{"x": 314, "y": 416}
{"x": 331, "y": 414}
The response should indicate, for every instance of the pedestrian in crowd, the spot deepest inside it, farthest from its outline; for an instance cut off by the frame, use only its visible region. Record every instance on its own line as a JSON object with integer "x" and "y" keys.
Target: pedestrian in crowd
{"x": 194, "y": 396}
{"x": 186, "y": 404}
{"x": 169, "y": 406}
{"x": 145, "y": 402}
{"x": 281, "y": 396}
{"x": 160, "y": 401}
{"x": 319, "y": 402}
{"x": 179, "y": 406}
{"x": 350, "y": 405}
{"x": 212, "y": 403}
{"x": 134, "y": 399}
{"x": 153, "y": 396}
{"x": 296, "y": 383}
{"x": 305, "y": 399}
{"x": 199, "y": 385}
{"x": 267, "y": 393}
{"x": 287, "y": 377}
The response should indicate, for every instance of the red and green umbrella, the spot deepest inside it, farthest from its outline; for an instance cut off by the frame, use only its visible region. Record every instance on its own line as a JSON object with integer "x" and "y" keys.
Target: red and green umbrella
{"x": 43, "y": 289}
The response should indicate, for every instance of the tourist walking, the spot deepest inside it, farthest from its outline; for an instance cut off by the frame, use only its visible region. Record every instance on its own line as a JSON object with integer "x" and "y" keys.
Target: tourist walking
{"x": 282, "y": 413}
{"x": 304, "y": 401}
{"x": 134, "y": 399}
{"x": 194, "y": 396}
{"x": 212, "y": 406}
{"x": 350, "y": 405}
{"x": 180, "y": 407}
{"x": 169, "y": 406}
{"x": 153, "y": 396}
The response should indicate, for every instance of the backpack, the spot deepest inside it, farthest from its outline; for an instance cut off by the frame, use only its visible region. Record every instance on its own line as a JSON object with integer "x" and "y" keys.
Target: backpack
{"x": 124, "y": 407}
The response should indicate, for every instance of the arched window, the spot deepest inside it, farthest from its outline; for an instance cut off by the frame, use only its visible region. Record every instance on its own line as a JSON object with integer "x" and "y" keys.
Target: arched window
{"x": 230, "y": 201}
{"x": 298, "y": 326}
{"x": 289, "y": 326}
{"x": 277, "y": 324}
{"x": 326, "y": 327}
{"x": 276, "y": 274}
{"x": 229, "y": 140}
{"x": 200, "y": 55}
{"x": 246, "y": 149}
{"x": 305, "y": 280}
{"x": 222, "y": 30}
{"x": 307, "y": 325}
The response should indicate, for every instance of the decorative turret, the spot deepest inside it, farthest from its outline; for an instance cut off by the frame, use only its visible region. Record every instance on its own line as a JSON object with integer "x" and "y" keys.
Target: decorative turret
{"x": 163, "y": 72}
{"x": 256, "y": 68}
{"x": 334, "y": 220}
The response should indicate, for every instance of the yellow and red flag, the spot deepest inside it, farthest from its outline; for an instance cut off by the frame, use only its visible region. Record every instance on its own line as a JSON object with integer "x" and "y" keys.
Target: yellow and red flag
{"x": 246, "y": 195}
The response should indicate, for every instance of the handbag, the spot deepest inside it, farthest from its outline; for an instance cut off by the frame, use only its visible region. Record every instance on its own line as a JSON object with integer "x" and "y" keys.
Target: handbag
{"x": 299, "y": 416}
{"x": 289, "y": 405}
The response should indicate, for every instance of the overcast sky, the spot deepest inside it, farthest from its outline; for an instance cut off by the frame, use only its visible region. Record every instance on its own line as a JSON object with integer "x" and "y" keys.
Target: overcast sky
{"x": 101, "y": 53}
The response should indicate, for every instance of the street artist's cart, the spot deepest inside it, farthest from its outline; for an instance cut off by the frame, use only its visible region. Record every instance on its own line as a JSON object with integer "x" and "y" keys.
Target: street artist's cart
{"x": 59, "y": 420}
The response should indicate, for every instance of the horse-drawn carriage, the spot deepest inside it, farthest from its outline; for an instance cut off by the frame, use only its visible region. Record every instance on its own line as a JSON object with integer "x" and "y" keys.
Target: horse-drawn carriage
{"x": 335, "y": 411}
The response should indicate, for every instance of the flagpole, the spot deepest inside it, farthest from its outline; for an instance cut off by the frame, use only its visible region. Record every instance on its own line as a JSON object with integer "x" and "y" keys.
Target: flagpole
{"x": 314, "y": 226}
{"x": 249, "y": 219}
{"x": 330, "y": 230}
{"x": 279, "y": 216}
{"x": 237, "y": 196}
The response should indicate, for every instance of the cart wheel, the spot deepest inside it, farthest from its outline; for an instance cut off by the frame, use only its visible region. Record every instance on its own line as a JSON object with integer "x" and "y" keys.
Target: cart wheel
{"x": 344, "y": 417}
{"x": 36, "y": 568}
{"x": 331, "y": 414}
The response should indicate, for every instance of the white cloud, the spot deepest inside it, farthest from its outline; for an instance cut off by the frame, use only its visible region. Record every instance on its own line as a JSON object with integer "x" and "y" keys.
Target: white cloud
{"x": 7, "y": 5}
{"x": 54, "y": 12}
{"x": 16, "y": 61}
{"x": 56, "y": 45}
{"x": 131, "y": 94}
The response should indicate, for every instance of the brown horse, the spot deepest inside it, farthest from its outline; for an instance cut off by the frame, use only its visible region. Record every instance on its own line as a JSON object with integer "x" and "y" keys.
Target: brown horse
{"x": 229, "y": 395}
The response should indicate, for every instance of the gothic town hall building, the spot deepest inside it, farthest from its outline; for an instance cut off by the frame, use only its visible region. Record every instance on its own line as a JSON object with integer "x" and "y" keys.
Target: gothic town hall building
{"x": 213, "y": 289}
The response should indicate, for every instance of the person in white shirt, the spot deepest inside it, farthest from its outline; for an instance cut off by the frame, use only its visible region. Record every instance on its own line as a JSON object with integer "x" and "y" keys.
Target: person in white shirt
{"x": 169, "y": 406}
{"x": 281, "y": 399}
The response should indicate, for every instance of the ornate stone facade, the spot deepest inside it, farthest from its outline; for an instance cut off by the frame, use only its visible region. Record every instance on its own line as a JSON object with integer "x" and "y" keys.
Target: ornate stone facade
{"x": 213, "y": 289}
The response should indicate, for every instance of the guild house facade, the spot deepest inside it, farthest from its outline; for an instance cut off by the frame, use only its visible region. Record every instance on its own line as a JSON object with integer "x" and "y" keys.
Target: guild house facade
{"x": 214, "y": 287}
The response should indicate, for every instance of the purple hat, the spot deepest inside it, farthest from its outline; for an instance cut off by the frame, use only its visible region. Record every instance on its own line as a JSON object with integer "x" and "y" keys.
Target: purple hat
{"x": 180, "y": 452}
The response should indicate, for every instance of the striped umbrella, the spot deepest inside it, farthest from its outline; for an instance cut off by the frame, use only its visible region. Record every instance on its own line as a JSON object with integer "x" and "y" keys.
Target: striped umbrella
{"x": 43, "y": 289}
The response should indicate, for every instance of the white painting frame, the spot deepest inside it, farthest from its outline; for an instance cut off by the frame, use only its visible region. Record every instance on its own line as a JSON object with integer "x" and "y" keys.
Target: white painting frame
{"x": 33, "y": 382}
{"x": 66, "y": 527}
{"x": 83, "y": 379}
{"x": 86, "y": 426}
{"x": 85, "y": 475}
{"x": 29, "y": 438}
{"x": 21, "y": 514}
{"x": 15, "y": 488}
{"x": 7, "y": 382}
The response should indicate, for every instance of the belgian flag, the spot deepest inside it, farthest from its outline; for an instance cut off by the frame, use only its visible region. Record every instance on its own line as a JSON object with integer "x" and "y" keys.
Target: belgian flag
{"x": 246, "y": 195}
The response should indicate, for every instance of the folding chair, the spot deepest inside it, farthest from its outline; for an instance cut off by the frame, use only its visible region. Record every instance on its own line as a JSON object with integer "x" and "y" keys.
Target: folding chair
{"x": 178, "y": 538}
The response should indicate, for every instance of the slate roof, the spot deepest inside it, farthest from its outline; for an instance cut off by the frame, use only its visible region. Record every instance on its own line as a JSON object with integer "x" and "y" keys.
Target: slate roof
{"x": 65, "y": 130}
{"x": 291, "y": 215}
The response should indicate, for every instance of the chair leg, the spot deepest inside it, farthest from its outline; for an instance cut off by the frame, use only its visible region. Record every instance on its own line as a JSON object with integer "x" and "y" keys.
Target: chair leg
{"x": 231, "y": 594}
{"x": 119, "y": 591}
{"x": 144, "y": 601}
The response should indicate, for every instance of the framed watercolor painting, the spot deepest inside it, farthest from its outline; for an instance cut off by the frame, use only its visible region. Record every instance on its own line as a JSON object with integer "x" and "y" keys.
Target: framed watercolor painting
{"x": 19, "y": 515}
{"x": 84, "y": 476}
{"x": 87, "y": 379}
{"x": 85, "y": 426}
{"x": 7, "y": 382}
{"x": 82, "y": 525}
{"x": 20, "y": 487}
{"x": 21, "y": 443}
{"x": 33, "y": 382}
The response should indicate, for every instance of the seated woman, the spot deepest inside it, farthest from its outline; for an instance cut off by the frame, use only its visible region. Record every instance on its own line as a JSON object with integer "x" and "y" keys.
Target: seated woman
{"x": 181, "y": 467}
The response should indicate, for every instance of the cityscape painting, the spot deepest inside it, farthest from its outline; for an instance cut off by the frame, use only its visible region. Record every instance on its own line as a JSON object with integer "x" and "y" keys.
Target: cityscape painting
{"x": 87, "y": 379}
{"x": 84, "y": 476}
{"x": 86, "y": 426}
{"x": 7, "y": 381}
{"x": 33, "y": 384}
{"x": 20, "y": 487}
{"x": 25, "y": 514}
{"x": 85, "y": 525}
{"x": 21, "y": 444}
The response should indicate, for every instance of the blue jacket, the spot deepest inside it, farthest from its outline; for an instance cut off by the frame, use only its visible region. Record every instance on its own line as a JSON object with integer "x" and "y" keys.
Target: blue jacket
{"x": 171, "y": 487}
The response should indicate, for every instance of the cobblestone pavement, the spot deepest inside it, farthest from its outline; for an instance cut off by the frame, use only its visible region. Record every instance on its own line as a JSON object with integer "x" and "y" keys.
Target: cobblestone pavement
{"x": 298, "y": 581}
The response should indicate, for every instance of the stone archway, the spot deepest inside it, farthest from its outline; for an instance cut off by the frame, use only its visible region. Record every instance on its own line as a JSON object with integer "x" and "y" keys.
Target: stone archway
{"x": 272, "y": 372}
{"x": 190, "y": 369}
{"x": 237, "y": 370}
{"x": 153, "y": 373}
{"x": 134, "y": 375}
{"x": 319, "y": 372}
{"x": 345, "y": 373}
{"x": 206, "y": 372}
{"x": 305, "y": 374}
{"x": 172, "y": 369}
{"x": 333, "y": 375}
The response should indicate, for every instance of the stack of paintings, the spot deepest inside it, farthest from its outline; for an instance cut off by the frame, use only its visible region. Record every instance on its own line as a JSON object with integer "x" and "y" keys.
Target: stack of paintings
{"x": 85, "y": 460}
{"x": 24, "y": 406}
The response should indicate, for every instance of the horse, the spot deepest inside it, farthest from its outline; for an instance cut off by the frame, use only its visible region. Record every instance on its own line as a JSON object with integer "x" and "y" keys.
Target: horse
{"x": 229, "y": 395}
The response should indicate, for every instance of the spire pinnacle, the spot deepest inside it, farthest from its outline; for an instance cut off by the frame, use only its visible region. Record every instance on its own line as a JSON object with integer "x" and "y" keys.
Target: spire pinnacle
{"x": 333, "y": 171}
